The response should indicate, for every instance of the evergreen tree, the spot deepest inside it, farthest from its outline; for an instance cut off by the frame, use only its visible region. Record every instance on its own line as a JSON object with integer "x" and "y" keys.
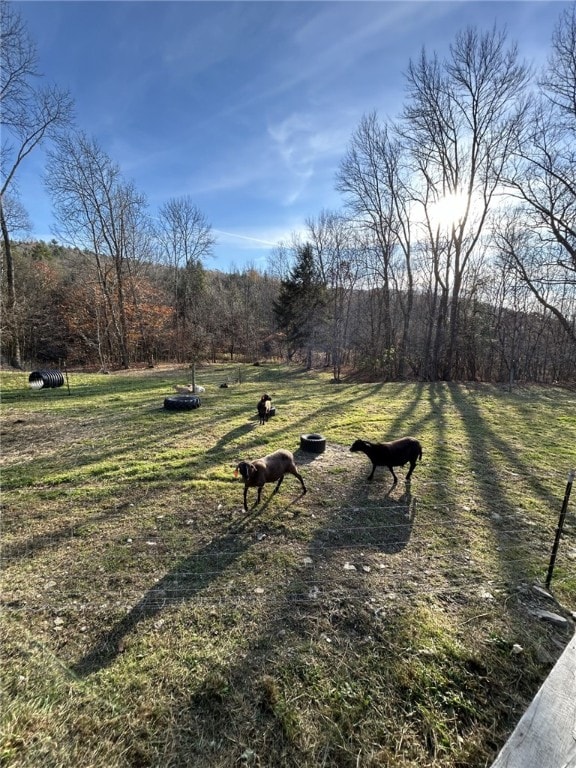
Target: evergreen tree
{"x": 301, "y": 304}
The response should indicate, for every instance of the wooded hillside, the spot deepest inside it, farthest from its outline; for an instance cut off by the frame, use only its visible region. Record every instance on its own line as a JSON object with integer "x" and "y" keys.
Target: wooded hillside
{"x": 66, "y": 318}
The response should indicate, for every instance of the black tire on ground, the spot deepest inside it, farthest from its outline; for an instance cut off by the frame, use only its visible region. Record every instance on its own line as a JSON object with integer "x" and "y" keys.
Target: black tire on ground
{"x": 181, "y": 402}
{"x": 313, "y": 443}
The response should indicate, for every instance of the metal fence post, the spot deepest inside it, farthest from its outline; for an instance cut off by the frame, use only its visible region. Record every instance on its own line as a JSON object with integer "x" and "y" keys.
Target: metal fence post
{"x": 571, "y": 475}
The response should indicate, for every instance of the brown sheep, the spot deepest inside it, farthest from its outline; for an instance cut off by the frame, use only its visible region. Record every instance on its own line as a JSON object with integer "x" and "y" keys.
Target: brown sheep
{"x": 269, "y": 469}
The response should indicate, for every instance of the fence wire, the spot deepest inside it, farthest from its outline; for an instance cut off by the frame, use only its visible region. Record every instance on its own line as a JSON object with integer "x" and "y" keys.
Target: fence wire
{"x": 322, "y": 569}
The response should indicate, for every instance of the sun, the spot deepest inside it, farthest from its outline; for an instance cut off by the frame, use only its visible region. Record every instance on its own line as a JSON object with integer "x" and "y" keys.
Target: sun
{"x": 449, "y": 210}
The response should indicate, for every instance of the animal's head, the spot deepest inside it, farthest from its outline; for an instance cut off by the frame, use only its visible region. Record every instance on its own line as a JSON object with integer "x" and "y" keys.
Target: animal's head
{"x": 265, "y": 398}
{"x": 358, "y": 445}
{"x": 246, "y": 469}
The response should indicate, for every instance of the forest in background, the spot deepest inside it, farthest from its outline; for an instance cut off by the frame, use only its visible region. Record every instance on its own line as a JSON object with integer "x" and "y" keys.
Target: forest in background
{"x": 453, "y": 256}
{"x": 251, "y": 317}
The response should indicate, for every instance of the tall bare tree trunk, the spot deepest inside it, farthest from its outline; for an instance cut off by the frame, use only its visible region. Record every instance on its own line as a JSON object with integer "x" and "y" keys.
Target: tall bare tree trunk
{"x": 11, "y": 304}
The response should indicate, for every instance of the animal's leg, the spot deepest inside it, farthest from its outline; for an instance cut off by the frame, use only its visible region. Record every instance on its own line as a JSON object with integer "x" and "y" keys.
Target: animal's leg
{"x": 278, "y": 484}
{"x": 299, "y": 476}
{"x": 371, "y": 475}
{"x": 393, "y": 475}
{"x": 412, "y": 466}
{"x": 246, "y": 498}
{"x": 259, "y": 493}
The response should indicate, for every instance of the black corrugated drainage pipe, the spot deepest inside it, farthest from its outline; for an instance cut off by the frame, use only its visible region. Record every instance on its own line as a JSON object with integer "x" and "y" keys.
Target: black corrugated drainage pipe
{"x": 45, "y": 379}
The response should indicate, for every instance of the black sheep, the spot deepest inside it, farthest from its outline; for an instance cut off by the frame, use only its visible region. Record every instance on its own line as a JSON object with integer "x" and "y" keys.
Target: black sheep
{"x": 264, "y": 406}
{"x": 393, "y": 454}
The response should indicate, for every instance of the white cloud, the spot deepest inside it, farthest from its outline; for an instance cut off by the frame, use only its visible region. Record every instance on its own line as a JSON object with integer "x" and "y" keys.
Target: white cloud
{"x": 305, "y": 143}
{"x": 249, "y": 240}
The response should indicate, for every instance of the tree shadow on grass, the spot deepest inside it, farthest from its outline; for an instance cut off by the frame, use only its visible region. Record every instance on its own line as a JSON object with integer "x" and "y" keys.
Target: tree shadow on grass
{"x": 241, "y": 708}
{"x": 490, "y": 453}
{"x": 192, "y": 575}
{"x": 378, "y": 523}
{"x": 52, "y": 539}
{"x": 234, "y": 434}
{"x": 262, "y": 699}
{"x": 257, "y": 510}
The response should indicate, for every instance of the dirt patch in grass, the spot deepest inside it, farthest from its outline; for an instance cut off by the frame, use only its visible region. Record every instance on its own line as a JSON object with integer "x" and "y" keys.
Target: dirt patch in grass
{"x": 148, "y": 620}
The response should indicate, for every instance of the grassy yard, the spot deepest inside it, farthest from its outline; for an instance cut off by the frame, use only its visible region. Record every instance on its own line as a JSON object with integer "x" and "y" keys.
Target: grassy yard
{"x": 147, "y": 620}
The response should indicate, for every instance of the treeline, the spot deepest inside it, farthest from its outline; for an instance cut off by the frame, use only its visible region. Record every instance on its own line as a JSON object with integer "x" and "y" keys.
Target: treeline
{"x": 453, "y": 255}
{"x": 65, "y": 315}
{"x": 249, "y": 316}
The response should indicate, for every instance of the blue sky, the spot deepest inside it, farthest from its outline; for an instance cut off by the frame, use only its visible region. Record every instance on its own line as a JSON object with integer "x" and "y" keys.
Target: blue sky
{"x": 247, "y": 107}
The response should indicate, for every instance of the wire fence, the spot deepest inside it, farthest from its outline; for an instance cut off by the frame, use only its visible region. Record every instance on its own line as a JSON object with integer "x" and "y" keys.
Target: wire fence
{"x": 340, "y": 560}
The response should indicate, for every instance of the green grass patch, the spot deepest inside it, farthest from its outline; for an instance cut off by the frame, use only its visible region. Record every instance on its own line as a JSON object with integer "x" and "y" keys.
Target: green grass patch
{"x": 148, "y": 620}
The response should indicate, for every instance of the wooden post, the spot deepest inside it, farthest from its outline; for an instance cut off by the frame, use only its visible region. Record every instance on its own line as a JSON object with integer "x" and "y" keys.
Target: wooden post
{"x": 545, "y": 734}
{"x": 571, "y": 475}
{"x": 193, "y": 366}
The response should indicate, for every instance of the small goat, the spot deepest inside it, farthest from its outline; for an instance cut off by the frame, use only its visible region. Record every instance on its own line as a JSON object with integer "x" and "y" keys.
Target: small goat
{"x": 393, "y": 454}
{"x": 267, "y": 470}
{"x": 187, "y": 389}
{"x": 264, "y": 405}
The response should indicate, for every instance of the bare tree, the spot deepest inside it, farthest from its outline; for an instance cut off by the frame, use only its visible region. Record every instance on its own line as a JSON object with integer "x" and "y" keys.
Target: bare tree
{"x": 363, "y": 179}
{"x": 541, "y": 266}
{"x": 101, "y": 214}
{"x": 28, "y": 115}
{"x": 373, "y": 177}
{"x": 558, "y": 79}
{"x": 539, "y": 234}
{"x": 332, "y": 239}
{"x": 15, "y": 214}
{"x": 282, "y": 256}
{"x": 461, "y": 124}
{"x": 185, "y": 239}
